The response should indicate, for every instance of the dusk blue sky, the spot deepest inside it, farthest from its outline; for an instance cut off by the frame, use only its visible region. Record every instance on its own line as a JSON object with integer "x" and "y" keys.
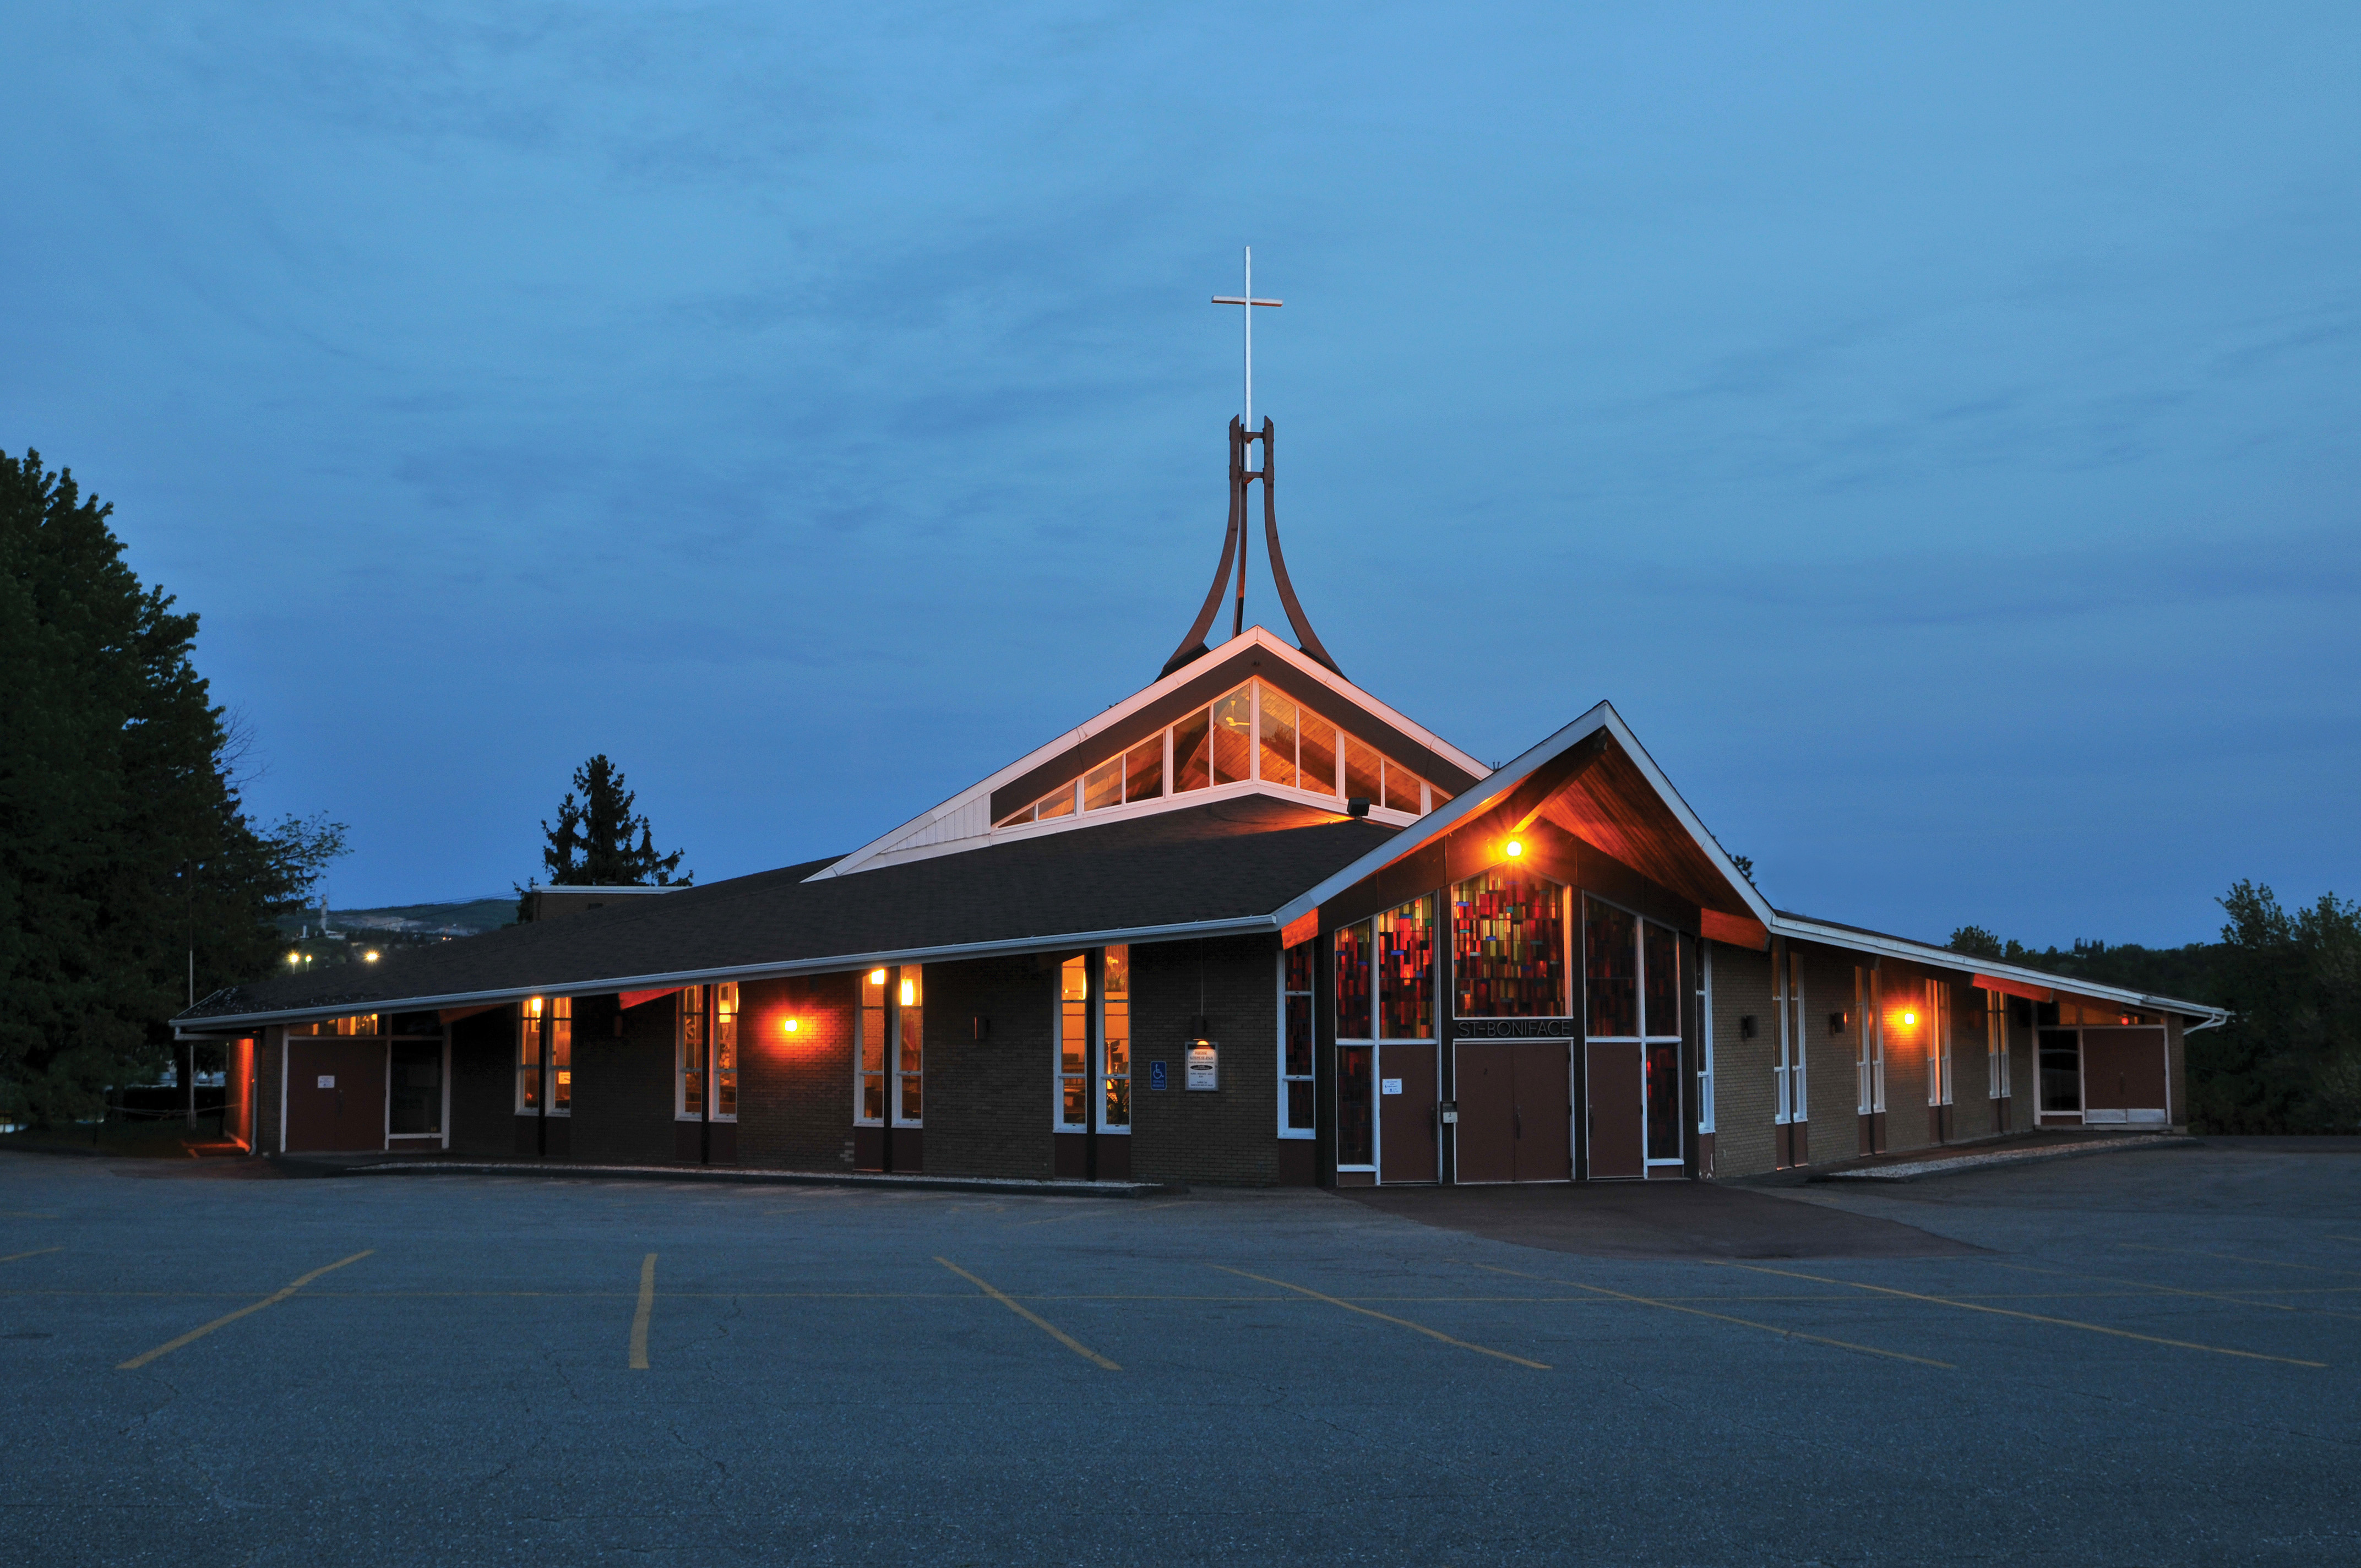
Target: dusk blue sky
{"x": 1937, "y": 435}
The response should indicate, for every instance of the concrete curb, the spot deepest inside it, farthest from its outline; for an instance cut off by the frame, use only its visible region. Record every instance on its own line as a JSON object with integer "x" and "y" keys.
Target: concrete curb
{"x": 1005, "y": 1185}
{"x": 1919, "y": 1170}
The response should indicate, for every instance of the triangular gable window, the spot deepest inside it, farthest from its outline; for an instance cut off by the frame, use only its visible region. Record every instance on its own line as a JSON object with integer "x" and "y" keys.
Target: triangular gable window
{"x": 1251, "y": 733}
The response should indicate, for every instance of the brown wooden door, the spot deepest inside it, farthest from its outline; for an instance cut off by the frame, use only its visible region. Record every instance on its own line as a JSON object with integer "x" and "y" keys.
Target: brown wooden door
{"x": 1486, "y": 1087}
{"x": 1406, "y": 1139}
{"x": 1615, "y": 1105}
{"x": 1544, "y": 1112}
{"x": 2124, "y": 1075}
{"x": 335, "y": 1095}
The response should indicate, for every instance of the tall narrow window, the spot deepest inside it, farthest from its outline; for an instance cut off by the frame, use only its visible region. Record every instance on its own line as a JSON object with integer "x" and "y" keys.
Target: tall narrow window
{"x": 1996, "y": 1084}
{"x": 1115, "y": 1100}
{"x": 1660, "y": 1016}
{"x": 693, "y": 1045}
{"x": 1868, "y": 1002}
{"x": 1353, "y": 1019}
{"x": 528, "y": 1055}
{"x": 910, "y": 1054}
{"x": 872, "y": 1072}
{"x": 1938, "y": 1043}
{"x": 725, "y": 1051}
{"x": 1508, "y": 946}
{"x": 1406, "y": 971}
{"x": 1357, "y": 1139}
{"x": 1610, "y": 957}
{"x": 1074, "y": 1045}
{"x": 561, "y": 1055}
{"x": 1295, "y": 1110}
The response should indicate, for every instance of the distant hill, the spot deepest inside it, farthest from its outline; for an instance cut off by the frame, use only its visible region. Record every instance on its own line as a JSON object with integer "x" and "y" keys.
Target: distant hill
{"x": 420, "y": 922}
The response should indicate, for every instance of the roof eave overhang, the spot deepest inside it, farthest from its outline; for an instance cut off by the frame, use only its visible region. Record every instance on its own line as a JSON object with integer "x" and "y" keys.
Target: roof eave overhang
{"x": 1801, "y": 930}
{"x": 186, "y": 1027}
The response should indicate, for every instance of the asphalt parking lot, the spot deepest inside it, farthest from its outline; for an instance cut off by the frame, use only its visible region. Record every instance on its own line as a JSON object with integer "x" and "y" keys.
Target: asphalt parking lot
{"x": 2146, "y": 1358}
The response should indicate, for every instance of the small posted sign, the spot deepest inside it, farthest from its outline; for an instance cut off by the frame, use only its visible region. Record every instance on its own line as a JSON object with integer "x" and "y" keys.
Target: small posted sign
{"x": 1204, "y": 1065}
{"x": 1155, "y": 1076}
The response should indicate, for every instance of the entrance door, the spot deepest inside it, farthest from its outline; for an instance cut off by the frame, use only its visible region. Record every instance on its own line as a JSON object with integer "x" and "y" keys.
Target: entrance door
{"x": 1616, "y": 1103}
{"x": 415, "y": 1110}
{"x": 1516, "y": 1111}
{"x": 2124, "y": 1076}
{"x": 1407, "y": 1150}
{"x": 335, "y": 1095}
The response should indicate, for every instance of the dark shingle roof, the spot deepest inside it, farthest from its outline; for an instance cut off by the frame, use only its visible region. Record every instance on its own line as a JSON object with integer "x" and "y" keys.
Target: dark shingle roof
{"x": 1230, "y": 860}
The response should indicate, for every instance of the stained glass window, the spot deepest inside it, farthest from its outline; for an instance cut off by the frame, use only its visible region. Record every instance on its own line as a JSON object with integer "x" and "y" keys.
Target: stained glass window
{"x": 1661, "y": 1017}
{"x": 1610, "y": 948}
{"x": 1508, "y": 946}
{"x": 1406, "y": 971}
{"x": 1295, "y": 1045}
{"x": 1357, "y": 1143}
{"x": 1352, "y": 1020}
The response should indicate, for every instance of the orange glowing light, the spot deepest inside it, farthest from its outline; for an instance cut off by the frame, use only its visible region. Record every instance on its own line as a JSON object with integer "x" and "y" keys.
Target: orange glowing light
{"x": 533, "y": 1007}
{"x": 1513, "y": 848}
{"x": 791, "y": 1026}
{"x": 370, "y": 956}
{"x": 877, "y": 977}
{"x": 1910, "y": 1020}
{"x": 909, "y": 994}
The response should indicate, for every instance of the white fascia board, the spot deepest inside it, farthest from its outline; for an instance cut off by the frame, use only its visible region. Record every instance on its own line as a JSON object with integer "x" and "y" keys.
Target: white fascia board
{"x": 1106, "y": 816}
{"x": 240, "y": 1023}
{"x": 1511, "y": 773}
{"x": 1933, "y": 957}
{"x": 1256, "y": 636}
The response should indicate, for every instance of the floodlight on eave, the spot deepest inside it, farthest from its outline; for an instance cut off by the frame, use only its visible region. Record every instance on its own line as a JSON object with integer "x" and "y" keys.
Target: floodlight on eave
{"x": 1255, "y": 639}
{"x": 1500, "y": 783}
{"x": 1830, "y": 934}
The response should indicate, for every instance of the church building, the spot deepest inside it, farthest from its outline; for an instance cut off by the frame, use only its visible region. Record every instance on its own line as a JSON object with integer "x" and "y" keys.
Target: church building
{"x": 1249, "y": 926}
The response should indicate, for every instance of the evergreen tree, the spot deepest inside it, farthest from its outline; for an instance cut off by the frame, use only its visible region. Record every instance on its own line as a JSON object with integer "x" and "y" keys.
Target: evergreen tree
{"x": 130, "y": 876}
{"x": 592, "y": 843}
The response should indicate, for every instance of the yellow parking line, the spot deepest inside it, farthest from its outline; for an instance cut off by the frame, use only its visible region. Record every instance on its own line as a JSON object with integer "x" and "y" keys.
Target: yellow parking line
{"x": 640, "y": 1318}
{"x": 170, "y": 1346}
{"x": 2232, "y": 1258}
{"x": 2031, "y": 1317}
{"x": 1726, "y": 1317}
{"x": 1044, "y": 1324}
{"x": 37, "y": 1251}
{"x": 2177, "y": 1290}
{"x": 1385, "y": 1318}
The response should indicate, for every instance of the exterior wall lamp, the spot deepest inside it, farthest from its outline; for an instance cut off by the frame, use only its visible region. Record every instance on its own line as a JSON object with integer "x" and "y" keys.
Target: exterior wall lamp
{"x": 1513, "y": 848}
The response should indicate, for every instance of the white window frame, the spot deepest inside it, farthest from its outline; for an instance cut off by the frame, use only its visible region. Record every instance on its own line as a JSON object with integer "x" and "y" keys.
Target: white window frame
{"x": 1100, "y": 1076}
{"x": 1342, "y": 1042}
{"x": 1705, "y": 1037}
{"x": 680, "y": 1111}
{"x": 1094, "y": 1073}
{"x": 891, "y": 1055}
{"x": 1996, "y": 1061}
{"x": 1311, "y": 1077}
{"x": 1639, "y": 932}
{"x": 547, "y": 1015}
{"x": 1869, "y": 1001}
{"x": 1938, "y": 1043}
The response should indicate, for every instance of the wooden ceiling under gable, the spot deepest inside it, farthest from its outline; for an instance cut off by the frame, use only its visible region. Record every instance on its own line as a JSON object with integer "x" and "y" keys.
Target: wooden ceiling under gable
{"x": 1611, "y": 806}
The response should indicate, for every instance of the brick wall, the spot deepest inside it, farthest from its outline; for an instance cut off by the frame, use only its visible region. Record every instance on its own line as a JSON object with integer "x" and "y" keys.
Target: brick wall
{"x": 623, "y": 1084}
{"x": 1829, "y": 1059}
{"x": 795, "y": 1091}
{"x": 483, "y": 1084}
{"x": 1743, "y": 1085}
{"x": 991, "y": 1096}
{"x": 1230, "y": 1135}
{"x": 271, "y": 1068}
